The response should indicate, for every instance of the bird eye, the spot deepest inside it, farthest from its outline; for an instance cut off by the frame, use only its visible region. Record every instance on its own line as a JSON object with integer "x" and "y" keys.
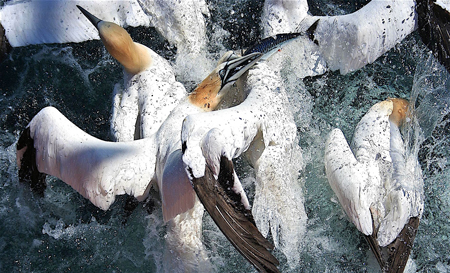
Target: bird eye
{"x": 222, "y": 73}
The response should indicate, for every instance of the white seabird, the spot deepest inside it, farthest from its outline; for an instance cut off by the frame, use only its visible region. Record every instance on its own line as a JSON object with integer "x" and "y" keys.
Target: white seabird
{"x": 182, "y": 23}
{"x": 100, "y": 170}
{"x": 379, "y": 184}
{"x": 349, "y": 42}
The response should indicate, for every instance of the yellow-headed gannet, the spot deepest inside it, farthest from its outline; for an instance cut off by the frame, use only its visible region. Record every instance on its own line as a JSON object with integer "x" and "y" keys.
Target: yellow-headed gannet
{"x": 182, "y": 23}
{"x": 100, "y": 170}
{"x": 378, "y": 184}
{"x": 149, "y": 91}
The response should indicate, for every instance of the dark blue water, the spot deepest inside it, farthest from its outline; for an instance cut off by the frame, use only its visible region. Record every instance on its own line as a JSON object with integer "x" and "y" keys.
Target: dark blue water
{"x": 63, "y": 232}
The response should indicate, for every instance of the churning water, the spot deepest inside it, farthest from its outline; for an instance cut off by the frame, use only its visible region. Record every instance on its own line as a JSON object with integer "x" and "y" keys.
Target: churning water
{"x": 63, "y": 232}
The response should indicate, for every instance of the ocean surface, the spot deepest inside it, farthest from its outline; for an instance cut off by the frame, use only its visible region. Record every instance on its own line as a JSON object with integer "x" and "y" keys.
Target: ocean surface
{"x": 63, "y": 232}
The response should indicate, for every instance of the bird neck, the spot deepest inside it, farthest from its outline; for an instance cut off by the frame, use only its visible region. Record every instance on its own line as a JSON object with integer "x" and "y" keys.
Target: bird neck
{"x": 133, "y": 56}
{"x": 206, "y": 96}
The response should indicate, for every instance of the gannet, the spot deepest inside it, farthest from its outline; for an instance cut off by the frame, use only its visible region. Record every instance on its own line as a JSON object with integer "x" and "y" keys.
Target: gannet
{"x": 100, "y": 170}
{"x": 182, "y": 23}
{"x": 378, "y": 183}
{"x": 349, "y": 42}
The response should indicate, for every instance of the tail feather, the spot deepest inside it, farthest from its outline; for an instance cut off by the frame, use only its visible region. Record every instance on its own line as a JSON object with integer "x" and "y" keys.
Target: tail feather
{"x": 26, "y": 159}
{"x": 393, "y": 257}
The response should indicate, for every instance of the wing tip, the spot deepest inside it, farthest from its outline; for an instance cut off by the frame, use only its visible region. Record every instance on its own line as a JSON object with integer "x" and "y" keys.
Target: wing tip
{"x": 393, "y": 257}
{"x": 26, "y": 160}
{"x": 434, "y": 29}
{"x": 5, "y": 47}
{"x": 237, "y": 225}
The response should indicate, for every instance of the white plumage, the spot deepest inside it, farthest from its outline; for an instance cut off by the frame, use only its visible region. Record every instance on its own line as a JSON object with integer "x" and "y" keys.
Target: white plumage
{"x": 346, "y": 42}
{"x": 378, "y": 184}
{"x": 47, "y": 21}
{"x": 153, "y": 105}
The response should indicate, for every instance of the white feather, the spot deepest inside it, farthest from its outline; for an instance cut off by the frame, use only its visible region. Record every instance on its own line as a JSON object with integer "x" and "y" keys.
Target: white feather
{"x": 58, "y": 21}
{"x": 145, "y": 100}
{"x": 262, "y": 127}
{"x": 375, "y": 181}
{"x": 97, "y": 169}
{"x": 345, "y": 42}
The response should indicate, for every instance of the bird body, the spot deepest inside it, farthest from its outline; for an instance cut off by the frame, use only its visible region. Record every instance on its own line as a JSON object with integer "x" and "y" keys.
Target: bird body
{"x": 344, "y": 42}
{"x": 378, "y": 184}
{"x": 144, "y": 100}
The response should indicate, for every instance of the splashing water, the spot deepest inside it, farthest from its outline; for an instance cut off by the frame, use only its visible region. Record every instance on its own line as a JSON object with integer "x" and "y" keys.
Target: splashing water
{"x": 63, "y": 231}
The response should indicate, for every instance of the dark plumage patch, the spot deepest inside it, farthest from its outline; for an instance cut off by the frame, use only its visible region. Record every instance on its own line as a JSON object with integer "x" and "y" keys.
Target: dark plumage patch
{"x": 434, "y": 29}
{"x": 5, "y": 47}
{"x": 393, "y": 257}
{"x": 310, "y": 32}
{"x": 233, "y": 219}
{"x": 28, "y": 172}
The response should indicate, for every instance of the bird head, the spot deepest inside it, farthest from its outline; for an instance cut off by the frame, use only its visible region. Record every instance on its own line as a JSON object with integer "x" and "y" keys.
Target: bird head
{"x": 230, "y": 68}
{"x": 399, "y": 111}
{"x": 133, "y": 56}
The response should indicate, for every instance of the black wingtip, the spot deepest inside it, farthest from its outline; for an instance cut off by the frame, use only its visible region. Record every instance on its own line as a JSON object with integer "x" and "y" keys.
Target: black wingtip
{"x": 434, "y": 29}
{"x": 94, "y": 20}
{"x": 235, "y": 222}
{"x": 310, "y": 32}
{"x": 5, "y": 47}
{"x": 28, "y": 172}
{"x": 393, "y": 257}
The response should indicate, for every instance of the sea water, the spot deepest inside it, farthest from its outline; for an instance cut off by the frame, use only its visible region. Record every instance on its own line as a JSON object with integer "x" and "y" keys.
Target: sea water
{"x": 63, "y": 232}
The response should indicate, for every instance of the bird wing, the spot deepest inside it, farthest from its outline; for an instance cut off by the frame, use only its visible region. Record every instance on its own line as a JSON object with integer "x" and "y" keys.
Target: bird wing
{"x": 394, "y": 256}
{"x": 379, "y": 180}
{"x": 42, "y": 21}
{"x": 434, "y": 28}
{"x": 210, "y": 139}
{"x": 224, "y": 205}
{"x": 348, "y": 42}
{"x": 174, "y": 176}
{"x": 349, "y": 180}
{"x": 98, "y": 170}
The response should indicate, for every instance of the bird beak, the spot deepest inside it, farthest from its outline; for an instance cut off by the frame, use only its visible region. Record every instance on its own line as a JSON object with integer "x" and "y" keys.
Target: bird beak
{"x": 235, "y": 68}
{"x": 209, "y": 92}
{"x": 94, "y": 20}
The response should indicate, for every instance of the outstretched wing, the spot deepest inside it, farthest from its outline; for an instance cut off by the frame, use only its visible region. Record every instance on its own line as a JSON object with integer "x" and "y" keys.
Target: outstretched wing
{"x": 349, "y": 180}
{"x": 98, "y": 170}
{"x": 232, "y": 217}
{"x": 349, "y": 42}
{"x": 434, "y": 29}
{"x": 42, "y": 21}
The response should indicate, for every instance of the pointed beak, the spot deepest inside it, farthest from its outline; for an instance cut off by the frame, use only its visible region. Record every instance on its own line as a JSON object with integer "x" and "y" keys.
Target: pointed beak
{"x": 94, "y": 20}
{"x": 234, "y": 68}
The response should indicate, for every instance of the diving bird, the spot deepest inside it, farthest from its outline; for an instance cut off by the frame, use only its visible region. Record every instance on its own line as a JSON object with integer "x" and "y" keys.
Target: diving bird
{"x": 100, "y": 170}
{"x": 345, "y": 42}
{"x": 379, "y": 182}
{"x": 351, "y": 41}
{"x": 43, "y": 22}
